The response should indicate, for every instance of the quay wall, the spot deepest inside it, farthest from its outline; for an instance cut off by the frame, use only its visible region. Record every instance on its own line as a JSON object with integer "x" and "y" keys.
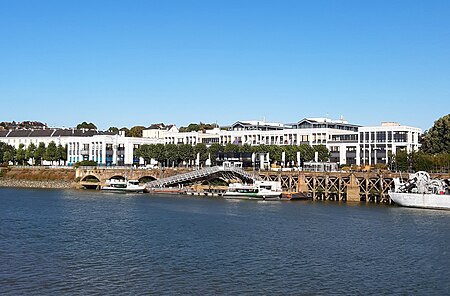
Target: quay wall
{"x": 37, "y": 178}
{"x": 348, "y": 186}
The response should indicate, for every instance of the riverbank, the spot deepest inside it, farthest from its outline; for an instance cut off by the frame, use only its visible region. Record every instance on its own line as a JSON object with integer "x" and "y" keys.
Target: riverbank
{"x": 52, "y": 184}
{"x": 38, "y": 178}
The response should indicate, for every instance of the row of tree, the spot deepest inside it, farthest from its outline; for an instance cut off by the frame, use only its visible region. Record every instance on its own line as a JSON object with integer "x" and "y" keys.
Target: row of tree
{"x": 434, "y": 153}
{"x": 195, "y": 127}
{"x": 420, "y": 161}
{"x": 22, "y": 155}
{"x": 173, "y": 155}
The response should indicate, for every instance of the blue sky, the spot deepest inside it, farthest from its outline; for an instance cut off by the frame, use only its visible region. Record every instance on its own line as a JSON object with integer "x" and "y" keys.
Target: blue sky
{"x": 126, "y": 63}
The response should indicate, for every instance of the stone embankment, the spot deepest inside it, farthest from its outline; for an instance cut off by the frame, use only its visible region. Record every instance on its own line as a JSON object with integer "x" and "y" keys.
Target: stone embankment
{"x": 53, "y": 184}
{"x": 38, "y": 178}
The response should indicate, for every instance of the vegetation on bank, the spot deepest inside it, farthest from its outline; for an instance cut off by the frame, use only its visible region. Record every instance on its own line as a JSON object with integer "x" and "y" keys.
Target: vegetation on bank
{"x": 85, "y": 163}
{"x": 195, "y": 127}
{"x": 37, "y": 154}
{"x": 434, "y": 154}
{"x": 174, "y": 155}
{"x": 38, "y": 174}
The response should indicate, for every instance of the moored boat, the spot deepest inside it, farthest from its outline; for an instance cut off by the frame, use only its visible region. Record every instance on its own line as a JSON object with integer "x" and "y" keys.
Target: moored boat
{"x": 294, "y": 195}
{"x": 260, "y": 190}
{"x": 420, "y": 191}
{"x": 123, "y": 185}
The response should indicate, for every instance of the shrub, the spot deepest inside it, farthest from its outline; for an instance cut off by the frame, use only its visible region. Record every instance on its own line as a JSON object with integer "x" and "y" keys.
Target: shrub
{"x": 85, "y": 163}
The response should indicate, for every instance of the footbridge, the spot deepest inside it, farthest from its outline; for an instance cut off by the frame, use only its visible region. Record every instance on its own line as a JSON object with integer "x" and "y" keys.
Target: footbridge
{"x": 206, "y": 173}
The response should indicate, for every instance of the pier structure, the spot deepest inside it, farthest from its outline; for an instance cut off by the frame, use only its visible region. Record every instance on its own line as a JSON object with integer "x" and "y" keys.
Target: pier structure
{"x": 337, "y": 186}
{"x": 340, "y": 186}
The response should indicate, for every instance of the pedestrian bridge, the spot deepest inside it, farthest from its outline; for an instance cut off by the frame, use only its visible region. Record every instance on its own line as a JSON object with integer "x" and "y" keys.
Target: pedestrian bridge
{"x": 93, "y": 176}
{"x": 224, "y": 172}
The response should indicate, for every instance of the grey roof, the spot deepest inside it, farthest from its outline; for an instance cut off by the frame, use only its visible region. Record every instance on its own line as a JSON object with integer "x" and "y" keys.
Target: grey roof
{"x": 23, "y": 133}
{"x": 160, "y": 126}
{"x": 41, "y": 133}
{"x": 19, "y": 133}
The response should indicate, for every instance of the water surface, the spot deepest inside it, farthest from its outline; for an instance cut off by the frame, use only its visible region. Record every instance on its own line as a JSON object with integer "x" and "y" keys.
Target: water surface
{"x": 69, "y": 242}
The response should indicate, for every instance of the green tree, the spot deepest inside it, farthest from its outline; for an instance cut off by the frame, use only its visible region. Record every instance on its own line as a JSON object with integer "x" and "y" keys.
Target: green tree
{"x": 324, "y": 153}
{"x": 61, "y": 153}
{"x": 261, "y": 148}
{"x": 214, "y": 151}
{"x": 275, "y": 153}
{"x": 7, "y": 152}
{"x": 423, "y": 162}
{"x": 185, "y": 152}
{"x": 3, "y": 148}
{"x": 39, "y": 153}
{"x": 401, "y": 161}
{"x": 51, "y": 153}
{"x": 231, "y": 148}
{"x": 291, "y": 153}
{"x": 306, "y": 152}
{"x": 437, "y": 139}
{"x": 126, "y": 130}
{"x": 146, "y": 152}
{"x": 194, "y": 127}
{"x": 29, "y": 153}
{"x": 136, "y": 131}
{"x": 171, "y": 153}
{"x": 85, "y": 125}
{"x": 203, "y": 150}
{"x": 8, "y": 156}
{"x": 20, "y": 154}
{"x": 159, "y": 153}
{"x": 113, "y": 129}
{"x": 246, "y": 148}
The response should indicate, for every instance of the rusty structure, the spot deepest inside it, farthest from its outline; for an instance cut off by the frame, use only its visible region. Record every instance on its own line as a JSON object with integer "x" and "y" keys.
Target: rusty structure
{"x": 340, "y": 186}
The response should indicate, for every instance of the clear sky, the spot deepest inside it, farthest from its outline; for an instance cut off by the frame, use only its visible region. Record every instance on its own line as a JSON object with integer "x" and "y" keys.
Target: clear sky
{"x": 126, "y": 63}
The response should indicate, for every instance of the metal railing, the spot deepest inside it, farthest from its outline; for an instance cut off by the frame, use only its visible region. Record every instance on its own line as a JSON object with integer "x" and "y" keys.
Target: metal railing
{"x": 199, "y": 174}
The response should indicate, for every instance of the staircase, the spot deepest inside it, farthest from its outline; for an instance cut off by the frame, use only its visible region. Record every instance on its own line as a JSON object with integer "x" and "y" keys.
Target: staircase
{"x": 201, "y": 174}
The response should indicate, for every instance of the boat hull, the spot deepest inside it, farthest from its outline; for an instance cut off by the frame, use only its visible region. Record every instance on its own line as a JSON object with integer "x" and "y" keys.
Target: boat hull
{"x": 266, "y": 196}
{"x": 123, "y": 190}
{"x": 418, "y": 200}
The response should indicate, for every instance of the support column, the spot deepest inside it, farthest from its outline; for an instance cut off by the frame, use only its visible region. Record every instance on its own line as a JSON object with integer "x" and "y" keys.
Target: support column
{"x": 301, "y": 184}
{"x": 353, "y": 190}
{"x": 114, "y": 158}
{"x": 103, "y": 153}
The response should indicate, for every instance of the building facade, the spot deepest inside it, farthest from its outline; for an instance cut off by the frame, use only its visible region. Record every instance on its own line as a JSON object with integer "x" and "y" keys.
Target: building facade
{"x": 348, "y": 143}
{"x": 105, "y": 148}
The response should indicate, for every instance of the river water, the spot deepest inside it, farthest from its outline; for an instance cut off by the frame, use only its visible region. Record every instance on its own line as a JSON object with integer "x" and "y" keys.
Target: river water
{"x": 68, "y": 242}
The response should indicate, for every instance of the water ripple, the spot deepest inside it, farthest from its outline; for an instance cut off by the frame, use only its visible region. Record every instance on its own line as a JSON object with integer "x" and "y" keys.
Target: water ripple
{"x": 81, "y": 242}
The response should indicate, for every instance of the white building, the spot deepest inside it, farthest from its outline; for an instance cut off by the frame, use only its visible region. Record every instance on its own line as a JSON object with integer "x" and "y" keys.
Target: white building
{"x": 376, "y": 143}
{"x": 105, "y": 148}
{"x": 158, "y": 131}
{"x": 348, "y": 143}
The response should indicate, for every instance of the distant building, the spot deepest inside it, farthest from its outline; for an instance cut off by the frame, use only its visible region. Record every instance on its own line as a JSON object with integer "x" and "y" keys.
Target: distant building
{"x": 348, "y": 143}
{"x": 105, "y": 148}
{"x": 158, "y": 130}
{"x": 377, "y": 142}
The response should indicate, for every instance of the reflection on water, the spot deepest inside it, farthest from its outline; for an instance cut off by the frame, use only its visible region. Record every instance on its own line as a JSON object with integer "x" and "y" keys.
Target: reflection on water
{"x": 87, "y": 242}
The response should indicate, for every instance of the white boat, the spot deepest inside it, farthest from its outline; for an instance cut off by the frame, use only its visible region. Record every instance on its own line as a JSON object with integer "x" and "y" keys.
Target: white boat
{"x": 260, "y": 190}
{"x": 123, "y": 185}
{"x": 420, "y": 191}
